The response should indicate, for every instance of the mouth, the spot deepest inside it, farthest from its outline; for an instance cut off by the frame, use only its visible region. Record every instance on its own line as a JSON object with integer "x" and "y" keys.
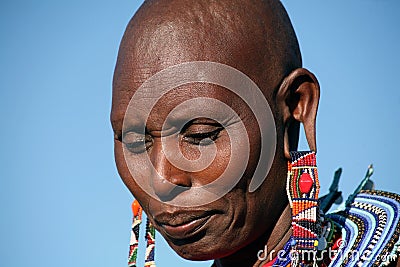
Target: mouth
{"x": 183, "y": 225}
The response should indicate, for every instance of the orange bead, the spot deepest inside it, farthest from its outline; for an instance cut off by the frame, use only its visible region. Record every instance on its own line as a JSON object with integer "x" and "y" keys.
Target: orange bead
{"x": 136, "y": 208}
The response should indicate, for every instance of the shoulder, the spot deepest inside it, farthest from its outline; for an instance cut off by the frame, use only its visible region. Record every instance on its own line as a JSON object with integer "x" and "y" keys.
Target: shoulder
{"x": 370, "y": 227}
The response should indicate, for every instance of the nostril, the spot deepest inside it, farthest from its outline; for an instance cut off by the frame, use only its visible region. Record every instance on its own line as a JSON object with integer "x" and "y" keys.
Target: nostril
{"x": 166, "y": 190}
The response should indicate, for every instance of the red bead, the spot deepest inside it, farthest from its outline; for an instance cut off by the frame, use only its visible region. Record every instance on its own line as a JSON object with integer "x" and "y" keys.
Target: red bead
{"x": 305, "y": 183}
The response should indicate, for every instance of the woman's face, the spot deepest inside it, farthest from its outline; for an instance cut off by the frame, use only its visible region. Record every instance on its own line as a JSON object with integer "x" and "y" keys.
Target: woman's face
{"x": 165, "y": 176}
{"x": 152, "y": 173}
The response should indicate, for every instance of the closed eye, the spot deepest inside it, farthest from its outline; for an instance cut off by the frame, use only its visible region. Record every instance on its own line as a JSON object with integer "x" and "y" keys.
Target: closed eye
{"x": 137, "y": 143}
{"x": 202, "y": 138}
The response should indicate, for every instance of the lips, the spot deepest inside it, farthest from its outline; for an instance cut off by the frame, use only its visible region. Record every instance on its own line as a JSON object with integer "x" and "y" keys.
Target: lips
{"x": 183, "y": 225}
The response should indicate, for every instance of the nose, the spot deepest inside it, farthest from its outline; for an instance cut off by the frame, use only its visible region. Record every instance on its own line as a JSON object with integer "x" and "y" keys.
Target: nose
{"x": 168, "y": 181}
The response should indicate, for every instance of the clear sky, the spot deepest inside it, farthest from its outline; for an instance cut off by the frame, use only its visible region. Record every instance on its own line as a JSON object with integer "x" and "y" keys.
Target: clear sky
{"x": 61, "y": 200}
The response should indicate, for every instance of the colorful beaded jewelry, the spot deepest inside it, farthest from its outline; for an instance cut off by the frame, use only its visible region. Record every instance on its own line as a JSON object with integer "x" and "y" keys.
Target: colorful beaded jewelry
{"x": 150, "y": 245}
{"x": 302, "y": 189}
{"x": 370, "y": 229}
{"x": 366, "y": 232}
{"x": 134, "y": 242}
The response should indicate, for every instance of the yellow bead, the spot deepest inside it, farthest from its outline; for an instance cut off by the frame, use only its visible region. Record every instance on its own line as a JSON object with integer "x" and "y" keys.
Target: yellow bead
{"x": 316, "y": 243}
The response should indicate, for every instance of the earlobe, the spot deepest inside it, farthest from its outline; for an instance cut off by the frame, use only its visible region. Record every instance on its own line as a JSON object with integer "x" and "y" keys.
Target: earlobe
{"x": 297, "y": 99}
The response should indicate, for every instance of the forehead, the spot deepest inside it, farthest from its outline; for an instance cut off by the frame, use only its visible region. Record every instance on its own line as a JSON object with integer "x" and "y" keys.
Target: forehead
{"x": 153, "y": 43}
{"x": 146, "y": 97}
{"x": 183, "y": 103}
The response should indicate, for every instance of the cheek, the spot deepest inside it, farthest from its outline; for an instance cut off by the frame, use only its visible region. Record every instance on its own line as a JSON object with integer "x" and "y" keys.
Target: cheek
{"x": 227, "y": 233}
{"x": 218, "y": 164}
{"x": 124, "y": 165}
{"x": 121, "y": 163}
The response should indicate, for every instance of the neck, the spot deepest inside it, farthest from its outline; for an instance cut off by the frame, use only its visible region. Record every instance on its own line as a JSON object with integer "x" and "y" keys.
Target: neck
{"x": 272, "y": 240}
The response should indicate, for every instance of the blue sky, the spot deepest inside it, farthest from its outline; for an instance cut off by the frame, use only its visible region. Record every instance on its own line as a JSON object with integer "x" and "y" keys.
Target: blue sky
{"x": 61, "y": 200}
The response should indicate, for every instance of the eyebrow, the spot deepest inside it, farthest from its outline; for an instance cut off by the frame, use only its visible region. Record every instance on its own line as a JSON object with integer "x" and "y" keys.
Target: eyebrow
{"x": 204, "y": 121}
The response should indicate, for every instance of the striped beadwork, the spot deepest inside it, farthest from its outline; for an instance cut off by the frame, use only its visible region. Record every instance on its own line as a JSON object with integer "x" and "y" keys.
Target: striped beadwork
{"x": 150, "y": 244}
{"x": 302, "y": 189}
{"x": 371, "y": 230}
{"x": 366, "y": 233}
{"x": 134, "y": 242}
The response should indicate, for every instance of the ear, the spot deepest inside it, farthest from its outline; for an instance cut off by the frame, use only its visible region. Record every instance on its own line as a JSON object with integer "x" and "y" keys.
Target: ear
{"x": 297, "y": 99}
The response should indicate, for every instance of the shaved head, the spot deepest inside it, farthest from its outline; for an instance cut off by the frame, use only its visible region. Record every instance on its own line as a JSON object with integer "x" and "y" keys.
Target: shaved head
{"x": 254, "y": 36}
{"x": 256, "y": 39}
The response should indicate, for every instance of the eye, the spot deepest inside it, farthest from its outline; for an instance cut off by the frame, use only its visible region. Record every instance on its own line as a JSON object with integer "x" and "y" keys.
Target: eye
{"x": 137, "y": 143}
{"x": 202, "y": 135}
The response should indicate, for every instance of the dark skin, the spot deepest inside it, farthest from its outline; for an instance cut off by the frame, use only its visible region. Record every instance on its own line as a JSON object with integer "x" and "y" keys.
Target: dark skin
{"x": 238, "y": 228}
{"x": 240, "y": 223}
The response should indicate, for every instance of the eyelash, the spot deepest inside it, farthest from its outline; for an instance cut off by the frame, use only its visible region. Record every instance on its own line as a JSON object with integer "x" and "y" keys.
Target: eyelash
{"x": 199, "y": 139}
{"x": 140, "y": 146}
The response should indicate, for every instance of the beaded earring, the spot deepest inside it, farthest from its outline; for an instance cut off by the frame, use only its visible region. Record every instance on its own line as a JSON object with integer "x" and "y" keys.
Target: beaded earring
{"x": 302, "y": 189}
{"x": 134, "y": 242}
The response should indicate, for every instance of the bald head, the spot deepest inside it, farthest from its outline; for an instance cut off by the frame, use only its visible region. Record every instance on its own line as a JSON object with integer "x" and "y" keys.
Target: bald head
{"x": 253, "y": 36}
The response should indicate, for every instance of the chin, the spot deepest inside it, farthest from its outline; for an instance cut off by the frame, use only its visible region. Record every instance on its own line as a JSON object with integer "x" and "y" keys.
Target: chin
{"x": 189, "y": 255}
{"x": 194, "y": 251}
{"x": 199, "y": 251}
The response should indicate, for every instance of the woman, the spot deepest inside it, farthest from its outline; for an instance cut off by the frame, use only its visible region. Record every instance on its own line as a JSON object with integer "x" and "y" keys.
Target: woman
{"x": 208, "y": 98}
